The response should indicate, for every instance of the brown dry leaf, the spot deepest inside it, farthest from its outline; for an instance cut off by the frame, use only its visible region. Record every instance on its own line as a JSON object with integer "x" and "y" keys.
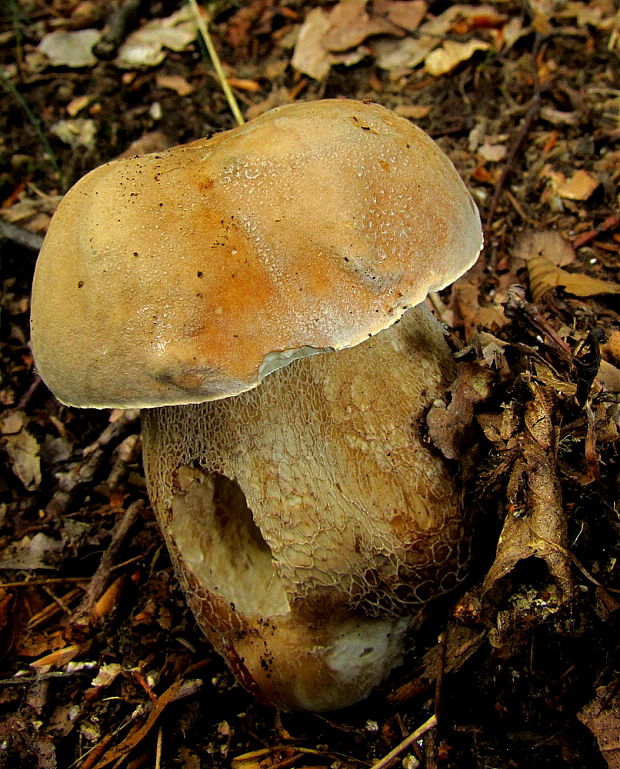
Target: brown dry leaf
{"x": 447, "y": 425}
{"x": 611, "y": 348}
{"x": 410, "y": 51}
{"x": 407, "y": 14}
{"x": 326, "y": 33}
{"x": 579, "y": 187}
{"x": 146, "y": 46}
{"x": 451, "y": 54}
{"x": 602, "y": 717}
{"x": 350, "y": 25}
{"x": 22, "y": 449}
{"x": 546, "y": 243}
{"x": 535, "y": 524}
{"x": 545, "y": 276}
{"x": 76, "y": 105}
{"x": 108, "y": 600}
{"x": 27, "y": 209}
{"x": 589, "y": 13}
{"x": 609, "y": 376}
{"x": 57, "y": 658}
{"x": 174, "y": 83}
{"x": 151, "y": 141}
{"x": 412, "y": 111}
{"x": 310, "y": 55}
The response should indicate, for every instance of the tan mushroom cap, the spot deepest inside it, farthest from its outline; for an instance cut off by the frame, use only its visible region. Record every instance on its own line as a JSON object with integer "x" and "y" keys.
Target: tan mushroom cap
{"x": 188, "y": 275}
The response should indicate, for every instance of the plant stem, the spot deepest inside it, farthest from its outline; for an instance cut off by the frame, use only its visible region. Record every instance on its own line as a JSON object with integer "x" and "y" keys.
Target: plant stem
{"x": 217, "y": 64}
{"x": 51, "y": 156}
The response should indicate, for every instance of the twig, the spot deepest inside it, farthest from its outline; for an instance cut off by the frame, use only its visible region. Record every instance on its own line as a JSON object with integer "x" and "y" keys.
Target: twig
{"x": 20, "y": 236}
{"x": 158, "y": 748}
{"x": 36, "y": 125}
{"x": 34, "y": 386}
{"x": 119, "y": 22}
{"x": 530, "y": 116}
{"x": 83, "y": 470}
{"x": 42, "y": 581}
{"x": 217, "y": 64}
{"x": 389, "y": 759}
{"x": 101, "y": 577}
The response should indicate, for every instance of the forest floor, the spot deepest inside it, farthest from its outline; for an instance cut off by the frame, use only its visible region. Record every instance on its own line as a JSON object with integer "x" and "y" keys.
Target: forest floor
{"x": 101, "y": 663}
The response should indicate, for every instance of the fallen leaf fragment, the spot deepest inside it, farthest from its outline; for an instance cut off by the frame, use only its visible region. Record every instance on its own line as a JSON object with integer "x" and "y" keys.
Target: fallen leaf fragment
{"x": 448, "y": 425}
{"x": 412, "y": 111}
{"x": 57, "y": 658}
{"x": 544, "y": 243}
{"x": 310, "y": 55}
{"x": 76, "y": 105}
{"x": 335, "y": 37}
{"x": 70, "y": 49}
{"x": 535, "y": 525}
{"x": 145, "y": 47}
{"x": 492, "y": 152}
{"x": 350, "y": 25}
{"x": 107, "y": 674}
{"x": 451, "y": 54}
{"x": 79, "y": 132}
{"x": 22, "y": 449}
{"x": 175, "y": 83}
{"x": 579, "y": 187}
{"x": 545, "y": 276}
{"x": 602, "y": 717}
{"x": 407, "y": 14}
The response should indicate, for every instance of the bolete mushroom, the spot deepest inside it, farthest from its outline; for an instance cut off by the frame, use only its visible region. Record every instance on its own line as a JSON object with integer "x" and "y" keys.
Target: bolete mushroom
{"x": 255, "y": 293}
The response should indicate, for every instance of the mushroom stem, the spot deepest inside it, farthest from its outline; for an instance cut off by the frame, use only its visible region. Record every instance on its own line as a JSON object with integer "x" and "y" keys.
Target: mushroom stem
{"x": 307, "y": 518}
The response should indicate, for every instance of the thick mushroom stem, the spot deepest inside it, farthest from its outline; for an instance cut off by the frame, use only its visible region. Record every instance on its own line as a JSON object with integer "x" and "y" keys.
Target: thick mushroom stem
{"x": 308, "y": 519}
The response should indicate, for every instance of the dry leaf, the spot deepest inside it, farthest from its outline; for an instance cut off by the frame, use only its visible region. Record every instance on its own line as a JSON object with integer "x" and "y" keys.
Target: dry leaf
{"x": 492, "y": 152}
{"x": 579, "y": 187}
{"x": 545, "y": 276}
{"x": 70, "y": 49}
{"x": 78, "y": 104}
{"x": 412, "y": 111}
{"x": 451, "y": 54}
{"x": 57, "y": 658}
{"x": 535, "y": 524}
{"x": 350, "y": 25}
{"x": 602, "y": 717}
{"x": 22, "y": 449}
{"x": 152, "y": 141}
{"x": 79, "y": 132}
{"x": 137, "y": 733}
{"x": 325, "y": 35}
{"x": 557, "y": 117}
{"x": 310, "y": 55}
{"x": 546, "y": 243}
{"x": 145, "y": 46}
{"x": 407, "y": 14}
{"x": 174, "y": 83}
{"x": 447, "y": 425}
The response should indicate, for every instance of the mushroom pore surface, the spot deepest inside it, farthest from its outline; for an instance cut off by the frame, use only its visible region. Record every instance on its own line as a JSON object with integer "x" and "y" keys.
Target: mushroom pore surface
{"x": 308, "y": 519}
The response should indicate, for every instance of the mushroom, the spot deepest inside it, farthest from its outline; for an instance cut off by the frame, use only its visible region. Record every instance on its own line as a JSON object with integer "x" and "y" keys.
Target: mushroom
{"x": 258, "y": 295}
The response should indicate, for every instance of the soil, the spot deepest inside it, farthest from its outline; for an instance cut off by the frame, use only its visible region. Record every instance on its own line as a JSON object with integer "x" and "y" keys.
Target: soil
{"x": 101, "y": 663}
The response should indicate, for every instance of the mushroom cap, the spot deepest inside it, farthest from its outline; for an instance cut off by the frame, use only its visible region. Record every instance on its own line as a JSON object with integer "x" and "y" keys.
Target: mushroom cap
{"x": 189, "y": 275}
